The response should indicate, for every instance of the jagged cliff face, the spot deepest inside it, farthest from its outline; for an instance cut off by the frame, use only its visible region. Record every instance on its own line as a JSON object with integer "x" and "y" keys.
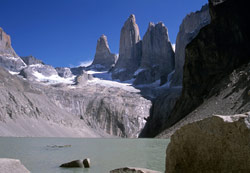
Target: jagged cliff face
{"x": 104, "y": 59}
{"x": 189, "y": 29}
{"x": 157, "y": 55}
{"x": 83, "y": 110}
{"x": 31, "y": 60}
{"x": 26, "y": 111}
{"x": 214, "y": 53}
{"x": 129, "y": 52}
{"x": 218, "y": 49}
{"x": 8, "y": 57}
{"x": 164, "y": 104}
{"x": 113, "y": 110}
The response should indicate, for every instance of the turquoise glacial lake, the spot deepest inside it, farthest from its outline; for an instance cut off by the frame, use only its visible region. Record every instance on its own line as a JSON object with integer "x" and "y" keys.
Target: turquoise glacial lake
{"x": 39, "y": 156}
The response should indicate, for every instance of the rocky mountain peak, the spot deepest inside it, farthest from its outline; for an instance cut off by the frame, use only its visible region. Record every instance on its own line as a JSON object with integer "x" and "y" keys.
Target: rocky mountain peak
{"x": 5, "y": 41}
{"x": 8, "y": 57}
{"x": 189, "y": 29}
{"x": 104, "y": 59}
{"x": 157, "y": 54}
{"x": 131, "y": 27}
{"x": 102, "y": 44}
{"x": 129, "y": 51}
{"x": 31, "y": 60}
{"x": 132, "y": 18}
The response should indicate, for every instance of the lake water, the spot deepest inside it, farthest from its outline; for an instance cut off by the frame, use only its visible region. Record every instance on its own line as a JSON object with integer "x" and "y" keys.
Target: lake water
{"x": 105, "y": 154}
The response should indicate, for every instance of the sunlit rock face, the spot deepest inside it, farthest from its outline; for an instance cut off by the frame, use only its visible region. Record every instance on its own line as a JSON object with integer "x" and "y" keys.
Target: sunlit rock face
{"x": 129, "y": 52}
{"x": 8, "y": 57}
{"x": 157, "y": 55}
{"x": 189, "y": 29}
{"x": 104, "y": 59}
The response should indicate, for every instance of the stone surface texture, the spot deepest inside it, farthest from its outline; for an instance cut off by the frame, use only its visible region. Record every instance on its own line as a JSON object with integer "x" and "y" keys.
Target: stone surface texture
{"x": 104, "y": 59}
{"x": 8, "y": 57}
{"x": 30, "y": 72}
{"x": 64, "y": 72}
{"x": 157, "y": 54}
{"x": 214, "y": 144}
{"x": 30, "y": 60}
{"x": 188, "y": 30}
{"x": 12, "y": 166}
{"x": 129, "y": 51}
{"x": 220, "y": 48}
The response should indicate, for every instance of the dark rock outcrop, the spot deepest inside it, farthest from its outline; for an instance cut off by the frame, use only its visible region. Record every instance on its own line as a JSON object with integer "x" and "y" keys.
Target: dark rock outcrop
{"x": 31, "y": 60}
{"x": 104, "y": 59}
{"x": 77, "y": 164}
{"x": 231, "y": 98}
{"x": 162, "y": 105}
{"x": 12, "y": 166}
{"x": 157, "y": 55}
{"x": 215, "y": 144}
{"x": 133, "y": 170}
{"x": 129, "y": 52}
{"x": 218, "y": 49}
{"x": 8, "y": 57}
{"x": 86, "y": 163}
{"x": 189, "y": 29}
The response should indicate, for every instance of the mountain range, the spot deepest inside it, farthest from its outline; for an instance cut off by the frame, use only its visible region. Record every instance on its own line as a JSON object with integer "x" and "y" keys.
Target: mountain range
{"x": 148, "y": 89}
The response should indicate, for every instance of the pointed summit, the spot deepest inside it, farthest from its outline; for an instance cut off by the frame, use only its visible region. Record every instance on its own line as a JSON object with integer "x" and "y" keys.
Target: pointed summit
{"x": 104, "y": 59}
{"x": 8, "y": 57}
{"x": 129, "y": 51}
{"x": 5, "y": 43}
{"x": 157, "y": 55}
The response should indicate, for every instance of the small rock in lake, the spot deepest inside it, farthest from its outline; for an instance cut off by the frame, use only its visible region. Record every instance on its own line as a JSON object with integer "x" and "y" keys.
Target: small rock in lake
{"x": 86, "y": 163}
{"x": 77, "y": 164}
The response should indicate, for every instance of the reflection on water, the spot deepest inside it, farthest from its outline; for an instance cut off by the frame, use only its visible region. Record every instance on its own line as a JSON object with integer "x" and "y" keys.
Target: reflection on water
{"x": 45, "y": 155}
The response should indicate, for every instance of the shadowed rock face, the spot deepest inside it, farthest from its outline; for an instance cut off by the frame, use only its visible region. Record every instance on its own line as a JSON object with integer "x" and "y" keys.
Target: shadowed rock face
{"x": 215, "y": 144}
{"x": 162, "y": 106}
{"x": 129, "y": 52}
{"x": 189, "y": 29}
{"x": 218, "y": 49}
{"x": 8, "y": 57}
{"x": 31, "y": 60}
{"x": 64, "y": 72}
{"x": 157, "y": 54}
{"x": 104, "y": 59}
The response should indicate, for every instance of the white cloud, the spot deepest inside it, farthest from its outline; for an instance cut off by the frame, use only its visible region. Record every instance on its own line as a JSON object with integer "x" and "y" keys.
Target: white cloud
{"x": 173, "y": 46}
{"x": 85, "y": 63}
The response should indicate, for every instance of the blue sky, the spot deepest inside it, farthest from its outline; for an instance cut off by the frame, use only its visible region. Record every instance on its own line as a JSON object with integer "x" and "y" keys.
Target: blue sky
{"x": 65, "y": 32}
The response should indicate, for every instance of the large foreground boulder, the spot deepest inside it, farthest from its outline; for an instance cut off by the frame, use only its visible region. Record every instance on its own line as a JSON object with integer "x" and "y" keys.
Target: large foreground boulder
{"x": 12, "y": 166}
{"x": 133, "y": 170}
{"x": 214, "y": 144}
